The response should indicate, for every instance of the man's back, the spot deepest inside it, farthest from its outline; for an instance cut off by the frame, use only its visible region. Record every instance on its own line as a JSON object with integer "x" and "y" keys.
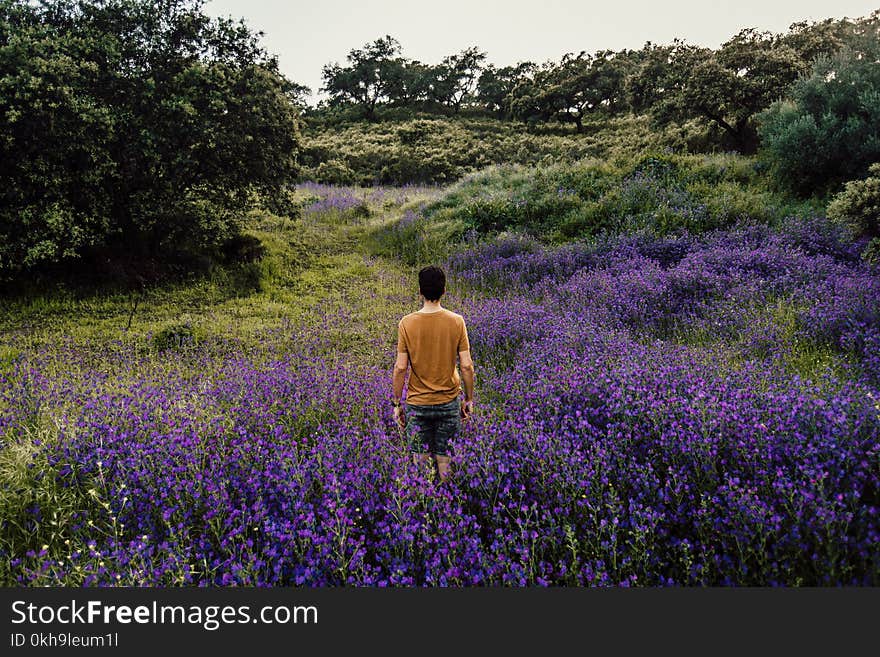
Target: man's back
{"x": 433, "y": 341}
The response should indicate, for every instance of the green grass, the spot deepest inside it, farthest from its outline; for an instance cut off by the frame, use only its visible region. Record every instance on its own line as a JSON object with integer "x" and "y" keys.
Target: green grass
{"x": 326, "y": 260}
{"x": 411, "y": 238}
{"x": 659, "y": 192}
{"x": 29, "y": 481}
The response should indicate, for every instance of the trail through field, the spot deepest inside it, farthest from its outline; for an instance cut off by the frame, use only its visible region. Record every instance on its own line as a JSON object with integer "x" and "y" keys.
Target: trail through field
{"x": 316, "y": 266}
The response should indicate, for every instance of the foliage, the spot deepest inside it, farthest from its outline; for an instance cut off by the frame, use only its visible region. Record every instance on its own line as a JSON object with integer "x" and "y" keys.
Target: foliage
{"x": 431, "y": 149}
{"x": 367, "y": 77}
{"x": 457, "y": 78}
{"x": 496, "y": 87}
{"x": 827, "y": 130}
{"x": 657, "y": 192}
{"x": 724, "y": 88}
{"x": 857, "y": 208}
{"x": 378, "y": 74}
{"x": 174, "y": 336}
{"x": 871, "y": 254}
{"x": 727, "y": 86}
{"x": 570, "y": 90}
{"x": 133, "y": 129}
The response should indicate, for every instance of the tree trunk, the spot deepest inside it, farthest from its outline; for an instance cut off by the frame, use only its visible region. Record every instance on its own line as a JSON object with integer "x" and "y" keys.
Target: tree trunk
{"x": 743, "y": 136}
{"x": 746, "y": 138}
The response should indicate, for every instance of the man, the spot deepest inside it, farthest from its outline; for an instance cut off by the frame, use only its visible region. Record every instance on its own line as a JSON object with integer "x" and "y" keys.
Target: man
{"x": 428, "y": 343}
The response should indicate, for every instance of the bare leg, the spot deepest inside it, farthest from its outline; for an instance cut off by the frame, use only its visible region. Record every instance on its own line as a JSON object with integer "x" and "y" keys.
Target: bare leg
{"x": 421, "y": 459}
{"x": 442, "y": 466}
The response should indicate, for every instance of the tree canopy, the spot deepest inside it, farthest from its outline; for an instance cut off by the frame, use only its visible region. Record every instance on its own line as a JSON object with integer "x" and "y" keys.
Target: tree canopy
{"x": 827, "y": 129}
{"x": 142, "y": 126}
{"x": 371, "y": 72}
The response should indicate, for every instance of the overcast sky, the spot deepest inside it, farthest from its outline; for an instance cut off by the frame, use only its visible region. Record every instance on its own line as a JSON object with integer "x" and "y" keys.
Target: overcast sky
{"x": 307, "y": 35}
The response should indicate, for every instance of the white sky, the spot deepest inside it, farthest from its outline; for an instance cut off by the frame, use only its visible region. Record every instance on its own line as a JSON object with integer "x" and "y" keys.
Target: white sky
{"x": 307, "y": 35}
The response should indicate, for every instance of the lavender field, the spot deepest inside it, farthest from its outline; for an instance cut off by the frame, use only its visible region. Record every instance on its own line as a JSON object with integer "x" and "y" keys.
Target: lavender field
{"x": 694, "y": 409}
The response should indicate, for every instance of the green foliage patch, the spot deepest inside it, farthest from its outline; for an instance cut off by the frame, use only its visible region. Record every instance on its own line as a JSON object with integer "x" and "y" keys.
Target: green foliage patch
{"x": 659, "y": 192}
{"x": 442, "y": 150}
{"x": 131, "y": 131}
{"x": 827, "y": 130}
{"x": 858, "y": 206}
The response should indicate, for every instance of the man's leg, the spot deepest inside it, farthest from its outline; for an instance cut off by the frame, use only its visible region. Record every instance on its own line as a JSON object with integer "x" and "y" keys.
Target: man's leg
{"x": 442, "y": 466}
{"x": 422, "y": 459}
{"x": 448, "y": 428}
{"x": 421, "y": 435}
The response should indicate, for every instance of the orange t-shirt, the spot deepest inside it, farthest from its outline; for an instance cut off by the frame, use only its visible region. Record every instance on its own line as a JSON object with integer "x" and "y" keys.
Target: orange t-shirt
{"x": 432, "y": 341}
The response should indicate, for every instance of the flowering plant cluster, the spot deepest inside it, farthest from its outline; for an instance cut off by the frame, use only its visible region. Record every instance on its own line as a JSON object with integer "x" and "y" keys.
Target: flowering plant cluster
{"x": 644, "y": 419}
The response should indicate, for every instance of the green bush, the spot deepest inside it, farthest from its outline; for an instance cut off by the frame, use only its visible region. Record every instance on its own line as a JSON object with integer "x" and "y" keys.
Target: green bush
{"x": 871, "y": 254}
{"x": 442, "y": 150}
{"x": 857, "y": 207}
{"x": 334, "y": 172}
{"x": 827, "y": 130}
{"x": 174, "y": 337}
{"x": 132, "y": 129}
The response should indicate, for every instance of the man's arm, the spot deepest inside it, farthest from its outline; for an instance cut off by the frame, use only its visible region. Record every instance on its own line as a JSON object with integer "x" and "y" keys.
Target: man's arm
{"x": 397, "y": 380}
{"x": 399, "y": 376}
{"x": 467, "y": 379}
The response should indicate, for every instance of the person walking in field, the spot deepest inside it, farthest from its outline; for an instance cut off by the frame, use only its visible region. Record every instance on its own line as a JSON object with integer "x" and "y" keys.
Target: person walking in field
{"x": 429, "y": 342}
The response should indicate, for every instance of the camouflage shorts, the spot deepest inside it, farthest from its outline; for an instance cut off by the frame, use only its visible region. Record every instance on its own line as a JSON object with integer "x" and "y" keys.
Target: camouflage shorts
{"x": 430, "y": 428}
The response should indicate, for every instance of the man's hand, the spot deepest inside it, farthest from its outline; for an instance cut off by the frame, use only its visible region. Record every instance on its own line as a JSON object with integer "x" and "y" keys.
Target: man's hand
{"x": 400, "y": 416}
{"x": 467, "y": 408}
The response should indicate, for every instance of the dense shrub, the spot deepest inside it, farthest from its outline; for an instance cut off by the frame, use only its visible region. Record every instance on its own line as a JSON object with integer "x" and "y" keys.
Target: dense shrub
{"x": 858, "y": 206}
{"x": 132, "y": 128}
{"x": 174, "y": 336}
{"x": 662, "y": 193}
{"x": 442, "y": 150}
{"x": 828, "y": 129}
{"x": 872, "y": 252}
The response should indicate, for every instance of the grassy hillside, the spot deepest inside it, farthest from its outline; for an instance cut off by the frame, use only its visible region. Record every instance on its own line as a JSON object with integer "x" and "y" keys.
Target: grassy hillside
{"x": 435, "y": 149}
{"x": 593, "y": 199}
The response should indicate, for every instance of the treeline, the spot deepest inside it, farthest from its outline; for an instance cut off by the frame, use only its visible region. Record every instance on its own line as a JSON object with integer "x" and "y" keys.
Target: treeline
{"x": 727, "y": 86}
{"x": 133, "y": 134}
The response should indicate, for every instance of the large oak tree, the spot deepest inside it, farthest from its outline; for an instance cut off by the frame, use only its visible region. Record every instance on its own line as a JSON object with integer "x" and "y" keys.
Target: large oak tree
{"x": 133, "y": 127}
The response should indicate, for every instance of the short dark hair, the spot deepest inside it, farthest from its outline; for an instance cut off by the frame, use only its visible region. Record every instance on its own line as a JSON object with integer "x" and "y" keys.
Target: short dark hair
{"x": 432, "y": 283}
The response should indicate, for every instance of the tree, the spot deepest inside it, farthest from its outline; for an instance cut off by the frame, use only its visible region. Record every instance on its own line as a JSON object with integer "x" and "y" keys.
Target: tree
{"x": 407, "y": 82}
{"x": 810, "y": 40}
{"x": 651, "y": 76}
{"x": 573, "y": 88}
{"x": 611, "y": 71}
{"x": 134, "y": 128}
{"x": 728, "y": 86}
{"x": 827, "y": 129}
{"x": 457, "y": 77}
{"x": 569, "y": 88}
{"x": 495, "y": 86}
{"x": 298, "y": 94}
{"x": 528, "y": 101}
{"x": 365, "y": 80}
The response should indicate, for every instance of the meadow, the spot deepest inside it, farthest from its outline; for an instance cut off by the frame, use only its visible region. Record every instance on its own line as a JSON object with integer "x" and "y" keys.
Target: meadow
{"x": 692, "y": 405}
